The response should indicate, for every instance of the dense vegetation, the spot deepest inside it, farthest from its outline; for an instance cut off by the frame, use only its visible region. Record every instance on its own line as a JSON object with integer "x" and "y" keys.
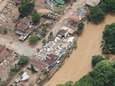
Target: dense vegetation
{"x": 108, "y": 45}
{"x": 96, "y": 59}
{"x": 108, "y": 6}
{"x": 98, "y": 13}
{"x": 103, "y": 74}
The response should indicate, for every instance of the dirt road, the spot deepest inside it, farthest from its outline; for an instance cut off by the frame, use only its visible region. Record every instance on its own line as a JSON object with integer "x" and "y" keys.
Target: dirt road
{"x": 79, "y": 63}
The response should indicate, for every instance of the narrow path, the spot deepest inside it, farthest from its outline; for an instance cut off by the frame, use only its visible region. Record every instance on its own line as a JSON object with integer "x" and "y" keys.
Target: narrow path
{"x": 79, "y": 63}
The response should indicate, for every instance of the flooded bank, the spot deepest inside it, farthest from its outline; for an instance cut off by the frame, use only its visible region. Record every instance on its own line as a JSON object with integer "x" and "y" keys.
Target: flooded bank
{"x": 79, "y": 63}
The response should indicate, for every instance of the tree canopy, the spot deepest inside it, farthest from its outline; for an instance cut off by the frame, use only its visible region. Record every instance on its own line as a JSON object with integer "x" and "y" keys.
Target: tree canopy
{"x": 96, "y": 15}
{"x": 96, "y": 59}
{"x": 33, "y": 39}
{"x": 26, "y": 7}
{"x": 36, "y": 17}
{"x": 108, "y": 44}
{"x": 23, "y": 60}
{"x": 109, "y": 5}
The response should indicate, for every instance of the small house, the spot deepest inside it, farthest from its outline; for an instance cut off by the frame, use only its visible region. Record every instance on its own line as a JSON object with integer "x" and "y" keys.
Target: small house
{"x": 23, "y": 28}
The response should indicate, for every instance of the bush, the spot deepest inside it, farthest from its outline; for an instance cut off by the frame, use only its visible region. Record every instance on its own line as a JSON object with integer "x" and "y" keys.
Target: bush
{"x": 33, "y": 39}
{"x": 96, "y": 59}
{"x": 36, "y": 17}
{"x": 96, "y": 15}
{"x": 23, "y": 60}
{"x": 26, "y": 7}
{"x": 108, "y": 44}
{"x": 80, "y": 28}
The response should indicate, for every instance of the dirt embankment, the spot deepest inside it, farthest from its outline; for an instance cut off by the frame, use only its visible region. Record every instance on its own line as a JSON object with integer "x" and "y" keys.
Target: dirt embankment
{"x": 79, "y": 63}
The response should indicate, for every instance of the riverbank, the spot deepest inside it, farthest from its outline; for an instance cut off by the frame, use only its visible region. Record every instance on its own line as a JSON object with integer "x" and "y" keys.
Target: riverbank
{"x": 79, "y": 63}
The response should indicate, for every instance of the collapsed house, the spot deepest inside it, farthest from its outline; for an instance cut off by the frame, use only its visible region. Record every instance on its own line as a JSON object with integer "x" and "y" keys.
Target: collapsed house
{"x": 51, "y": 53}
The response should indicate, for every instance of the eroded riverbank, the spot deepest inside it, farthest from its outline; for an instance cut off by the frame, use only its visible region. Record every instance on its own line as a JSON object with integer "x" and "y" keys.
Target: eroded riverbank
{"x": 79, "y": 63}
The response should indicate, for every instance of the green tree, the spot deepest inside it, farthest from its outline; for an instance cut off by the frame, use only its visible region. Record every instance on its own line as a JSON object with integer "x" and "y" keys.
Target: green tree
{"x": 23, "y": 60}
{"x": 36, "y": 17}
{"x": 26, "y": 7}
{"x": 108, "y": 43}
{"x": 96, "y": 15}
{"x": 110, "y": 5}
{"x": 33, "y": 39}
